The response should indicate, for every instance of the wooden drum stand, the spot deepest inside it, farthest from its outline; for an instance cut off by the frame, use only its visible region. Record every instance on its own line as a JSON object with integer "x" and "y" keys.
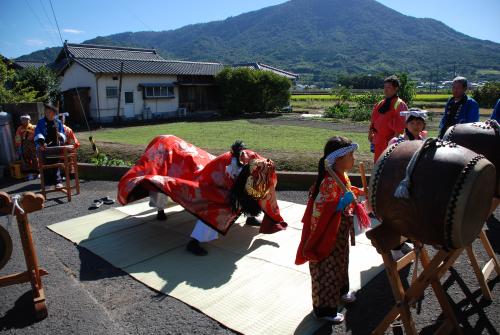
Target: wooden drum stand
{"x": 28, "y": 203}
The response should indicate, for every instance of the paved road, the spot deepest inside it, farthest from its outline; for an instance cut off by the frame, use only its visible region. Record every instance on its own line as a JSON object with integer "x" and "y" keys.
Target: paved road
{"x": 86, "y": 295}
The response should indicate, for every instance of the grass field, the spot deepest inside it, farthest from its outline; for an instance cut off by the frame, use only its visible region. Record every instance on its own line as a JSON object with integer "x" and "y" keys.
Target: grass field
{"x": 292, "y": 148}
{"x": 220, "y": 135}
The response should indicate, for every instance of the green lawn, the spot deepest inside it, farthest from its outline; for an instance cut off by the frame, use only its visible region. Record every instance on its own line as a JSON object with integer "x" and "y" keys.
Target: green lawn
{"x": 221, "y": 134}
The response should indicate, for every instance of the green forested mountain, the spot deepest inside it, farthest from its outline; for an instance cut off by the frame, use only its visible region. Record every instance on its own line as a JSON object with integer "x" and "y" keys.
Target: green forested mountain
{"x": 321, "y": 39}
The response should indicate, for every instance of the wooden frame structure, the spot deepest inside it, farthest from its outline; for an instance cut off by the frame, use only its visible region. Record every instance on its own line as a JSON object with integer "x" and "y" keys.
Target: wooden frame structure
{"x": 384, "y": 239}
{"x": 28, "y": 203}
{"x": 483, "y": 273}
{"x": 67, "y": 162}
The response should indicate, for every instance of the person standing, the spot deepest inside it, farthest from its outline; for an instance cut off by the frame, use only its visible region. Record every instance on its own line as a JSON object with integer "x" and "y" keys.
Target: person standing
{"x": 325, "y": 236}
{"x": 49, "y": 132}
{"x": 386, "y": 121}
{"x": 25, "y": 146}
{"x": 460, "y": 108}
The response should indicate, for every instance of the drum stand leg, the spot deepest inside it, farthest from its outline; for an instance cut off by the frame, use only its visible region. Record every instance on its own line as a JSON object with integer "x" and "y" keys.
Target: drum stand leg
{"x": 34, "y": 273}
{"x": 433, "y": 270}
{"x": 482, "y": 274}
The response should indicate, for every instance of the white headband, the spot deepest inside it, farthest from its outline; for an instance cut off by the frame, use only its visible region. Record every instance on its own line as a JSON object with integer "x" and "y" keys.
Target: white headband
{"x": 422, "y": 114}
{"x": 340, "y": 152}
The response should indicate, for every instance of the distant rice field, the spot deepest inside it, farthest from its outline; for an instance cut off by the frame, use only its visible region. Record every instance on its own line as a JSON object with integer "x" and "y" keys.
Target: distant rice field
{"x": 328, "y": 97}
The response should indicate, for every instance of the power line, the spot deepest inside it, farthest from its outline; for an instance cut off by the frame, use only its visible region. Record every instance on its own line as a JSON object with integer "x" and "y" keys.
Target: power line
{"x": 76, "y": 89}
{"x": 44, "y": 27}
{"x": 57, "y": 24}
{"x": 46, "y": 15}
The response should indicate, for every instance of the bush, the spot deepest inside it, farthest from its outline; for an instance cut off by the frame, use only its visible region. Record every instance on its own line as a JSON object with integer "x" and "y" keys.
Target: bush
{"x": 487, "y": 95}
{"x": 338, "y": 111}
{"x": 103, "y": 160}
{"x": 245, "y": 90}
{"x": 365, "y": 103}
{"x": 361, "y": 114}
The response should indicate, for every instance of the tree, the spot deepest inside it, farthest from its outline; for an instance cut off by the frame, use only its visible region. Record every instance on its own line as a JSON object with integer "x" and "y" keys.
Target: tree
{"x": 245, "y": 90}
{"x": 487, "y": 95}
{"x": 13, "y": 90}
{"x": 407, "y": 90}
{"x": 43, "y": 80}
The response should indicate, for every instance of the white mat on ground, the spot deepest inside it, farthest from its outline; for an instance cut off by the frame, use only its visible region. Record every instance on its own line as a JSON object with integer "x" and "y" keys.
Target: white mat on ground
{"x": 248, "y": 281}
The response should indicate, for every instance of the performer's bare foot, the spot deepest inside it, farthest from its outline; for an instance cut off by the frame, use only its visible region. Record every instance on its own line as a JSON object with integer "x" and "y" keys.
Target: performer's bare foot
{"x": 161, "y": 216}
{"x": 253, "y": 221}
{"x": 195, "y": 248}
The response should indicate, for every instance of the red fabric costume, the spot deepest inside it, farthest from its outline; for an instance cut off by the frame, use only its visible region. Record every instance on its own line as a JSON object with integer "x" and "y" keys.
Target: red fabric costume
{"x": 197, "y": 181}
{"x": 70, "y": 137}
{"x": 387, "y": 125}
{"x": 321, "y": 220}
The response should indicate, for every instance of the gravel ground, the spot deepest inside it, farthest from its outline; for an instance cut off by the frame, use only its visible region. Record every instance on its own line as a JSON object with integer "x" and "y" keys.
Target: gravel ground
{"x": 86, "y": 295}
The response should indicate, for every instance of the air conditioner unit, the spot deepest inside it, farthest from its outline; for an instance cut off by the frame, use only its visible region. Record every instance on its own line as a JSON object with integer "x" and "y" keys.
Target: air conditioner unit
{"x": 181, "y": 112}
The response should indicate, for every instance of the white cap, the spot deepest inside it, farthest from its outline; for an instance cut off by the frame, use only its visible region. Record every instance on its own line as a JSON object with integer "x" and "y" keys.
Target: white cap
{"x": 415, "y": 112}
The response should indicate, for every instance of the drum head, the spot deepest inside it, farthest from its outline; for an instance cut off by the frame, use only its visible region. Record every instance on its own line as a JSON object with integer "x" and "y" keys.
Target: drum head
{"x": 467, "y": 210}
{"x": 5, "y": 247}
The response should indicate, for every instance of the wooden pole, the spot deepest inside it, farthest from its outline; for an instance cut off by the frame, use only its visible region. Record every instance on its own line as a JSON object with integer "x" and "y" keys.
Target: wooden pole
{"x": 120, "y": 91}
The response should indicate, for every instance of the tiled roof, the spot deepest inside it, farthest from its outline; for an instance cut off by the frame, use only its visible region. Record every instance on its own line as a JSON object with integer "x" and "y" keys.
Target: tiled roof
{"x": 265, "y": 67}
{"x": 108, "y": 59}
{"x": 150, "y": 67}
{"x": 111, "y": 52}
{"x": 29, "y": 63}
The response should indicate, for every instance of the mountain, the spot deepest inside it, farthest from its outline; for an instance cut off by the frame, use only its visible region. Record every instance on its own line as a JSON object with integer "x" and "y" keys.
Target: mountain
{"x": 320, "y": 39}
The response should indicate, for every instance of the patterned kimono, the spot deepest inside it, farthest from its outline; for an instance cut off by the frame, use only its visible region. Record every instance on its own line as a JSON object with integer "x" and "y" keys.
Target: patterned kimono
{"x": 325, "y": 245}
{"x": 25, "y": 146}
{"x": 197, "y": 181}
{"x": 404, "y": 137}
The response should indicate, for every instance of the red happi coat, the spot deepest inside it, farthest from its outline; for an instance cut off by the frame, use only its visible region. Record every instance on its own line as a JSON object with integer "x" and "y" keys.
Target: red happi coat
{"x": 322, "y": 221}
{"x": 386, "y": 125}
{"x": 196, "y": 180}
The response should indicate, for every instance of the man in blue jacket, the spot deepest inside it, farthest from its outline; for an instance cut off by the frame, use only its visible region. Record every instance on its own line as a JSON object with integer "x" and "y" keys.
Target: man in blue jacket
{"x": 496, "y": 112}
{"x": 49, "y": 132}
{"x": 460, "y": 108}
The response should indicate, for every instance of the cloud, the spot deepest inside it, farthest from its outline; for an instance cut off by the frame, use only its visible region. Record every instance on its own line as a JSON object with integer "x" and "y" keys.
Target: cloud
{"x": 73, "y": 31}
{"x": 33, "y": 42}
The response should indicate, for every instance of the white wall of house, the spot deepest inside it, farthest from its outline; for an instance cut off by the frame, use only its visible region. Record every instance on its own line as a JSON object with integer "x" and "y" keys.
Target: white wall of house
{"x": 78, "y": 76}
{"x": 140, "y": 108}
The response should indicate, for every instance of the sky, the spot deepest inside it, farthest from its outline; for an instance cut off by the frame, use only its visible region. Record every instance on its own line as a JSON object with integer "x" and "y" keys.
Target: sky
{"x": 29, "y": 25}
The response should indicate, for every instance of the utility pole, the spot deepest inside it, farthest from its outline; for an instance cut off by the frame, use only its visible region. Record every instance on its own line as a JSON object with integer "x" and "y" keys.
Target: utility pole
{"x": 119, "y": 92}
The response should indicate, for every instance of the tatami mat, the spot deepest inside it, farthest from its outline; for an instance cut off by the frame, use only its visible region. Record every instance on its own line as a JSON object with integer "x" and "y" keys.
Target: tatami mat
{"x": 248, "y": 281}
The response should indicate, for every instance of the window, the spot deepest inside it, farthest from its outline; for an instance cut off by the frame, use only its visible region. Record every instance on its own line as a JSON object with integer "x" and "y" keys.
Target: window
{"x": 129, "y": 97}
{"x": 158, "y": 91}
{"x": 111, "y": 92}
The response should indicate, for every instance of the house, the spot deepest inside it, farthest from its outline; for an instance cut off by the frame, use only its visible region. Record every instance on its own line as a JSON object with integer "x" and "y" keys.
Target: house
{"x": 102, "y": 84}
{"x": 264, "y": 67}
{"x": 109, "y": 82}
{"x": 21, "y": 64}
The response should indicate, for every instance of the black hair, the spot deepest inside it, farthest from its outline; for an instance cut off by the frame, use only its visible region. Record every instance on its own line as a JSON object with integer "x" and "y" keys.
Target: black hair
{"x": 412, "y": 118}
{"x": 333, "y": 144}
{"x": 236, "y": 148}
{"x": 393, "y": 80}
{"x": 239, "y": 198}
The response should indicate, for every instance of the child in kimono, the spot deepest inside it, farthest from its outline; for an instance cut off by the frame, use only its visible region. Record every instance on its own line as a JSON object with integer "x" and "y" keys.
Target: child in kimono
{"x": 327, "y": 222}
{"x": 25, "y": 146}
